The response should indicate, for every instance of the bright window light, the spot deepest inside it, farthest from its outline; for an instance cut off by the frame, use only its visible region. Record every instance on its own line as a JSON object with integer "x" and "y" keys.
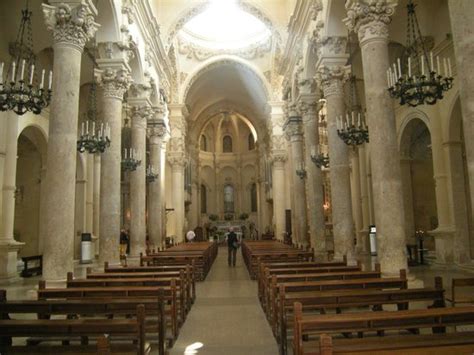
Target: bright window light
{"x": 223, "y": 25}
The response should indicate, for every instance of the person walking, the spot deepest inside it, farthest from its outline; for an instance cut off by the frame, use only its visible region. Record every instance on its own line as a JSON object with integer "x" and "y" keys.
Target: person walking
{"x": 232, "y": 246}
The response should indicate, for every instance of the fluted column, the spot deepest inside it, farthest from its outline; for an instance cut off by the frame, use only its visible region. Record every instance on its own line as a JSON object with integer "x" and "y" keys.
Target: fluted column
{"x": 72, "y": 26}
{"x": 308, "y": 107}
{"x": 331, "y": 79}
{"x": 294, "y": 129}
{"x": 114, "y": 80}
{"x": 461, "y": 13}
{"x": 279, "y": 157}
{"x": 371, "y": 24}
{"x": 156, "y": 131}
{"x": 138, "y": 181}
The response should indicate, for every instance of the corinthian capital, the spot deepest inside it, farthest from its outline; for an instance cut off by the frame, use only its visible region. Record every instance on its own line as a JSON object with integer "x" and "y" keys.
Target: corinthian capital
{"x": 370, "y": 18}
{"x": 140, "y": 115}
{"x": 156, "y": 129}
{"x": 331, "y": 79}
{"x": 114, "y": 81}
{"x": 71, "y": 25}
{"x": 308, "y": 107}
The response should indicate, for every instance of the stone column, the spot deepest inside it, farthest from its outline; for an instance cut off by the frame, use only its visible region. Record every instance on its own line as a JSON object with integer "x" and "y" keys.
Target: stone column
{"x": 138, "y": 182}
{"x": 308, "y": 107}
{"x": 361, "y": 247}
{"x": 156, "y": 131}
{"x": 114, "y": 80}
{"x": 9, "y": 247}
{"x": 331, "y": 80}
{"x": 177, "y": 161}
{"x": 162, "y": 179}
{"x": 90, "y": 193}
{"x": 371, "y": 24}
{"x": 461, "y": 13}
{"x": 139, "y": 99}
{"x": 405, "y": 170}
{"x": 96, "y": 204}
{"x": 278, "y": 185}
{"x": 294, "y": 129}
{"x": 71, "y": 26}
{"x": 457, "y": 200}
{"x": 364, "y": 194}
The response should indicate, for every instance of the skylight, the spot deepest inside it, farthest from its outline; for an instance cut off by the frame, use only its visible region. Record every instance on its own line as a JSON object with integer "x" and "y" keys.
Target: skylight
{"x": 223, "y": 25}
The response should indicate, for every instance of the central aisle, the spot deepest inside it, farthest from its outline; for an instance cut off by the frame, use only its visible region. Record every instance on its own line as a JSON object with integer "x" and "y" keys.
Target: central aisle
{"x": 226, "y": 318}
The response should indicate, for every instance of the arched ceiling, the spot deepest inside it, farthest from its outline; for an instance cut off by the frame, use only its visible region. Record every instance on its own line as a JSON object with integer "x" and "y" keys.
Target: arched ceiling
{"x": 227, "y": 83}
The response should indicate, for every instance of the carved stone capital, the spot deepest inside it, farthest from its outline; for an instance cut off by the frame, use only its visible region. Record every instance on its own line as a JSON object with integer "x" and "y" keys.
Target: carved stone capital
{"x": 331, "y": 79}
{"x": 278, "y": 142}
{"x": 140, "y": 115}
{"x": 71, "y": 25}
{"x": 115, "y": 82}
{"x": 294, "y": 127}
{"x": 307, "y": 86}
{"x": 177, "y": 160}
{"x": 279, "y": 158}
{"x": 370, "y": 18}
{"x": 139, "y": 92}
{"x": 308, "y": 108}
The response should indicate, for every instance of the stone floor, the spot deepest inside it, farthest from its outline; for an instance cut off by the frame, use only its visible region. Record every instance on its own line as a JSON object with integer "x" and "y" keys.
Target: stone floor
{"x": 227, "y": 318}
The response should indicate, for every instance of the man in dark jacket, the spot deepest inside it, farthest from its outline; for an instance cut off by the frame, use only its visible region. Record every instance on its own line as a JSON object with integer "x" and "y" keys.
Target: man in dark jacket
{"x": 232, "y": 245}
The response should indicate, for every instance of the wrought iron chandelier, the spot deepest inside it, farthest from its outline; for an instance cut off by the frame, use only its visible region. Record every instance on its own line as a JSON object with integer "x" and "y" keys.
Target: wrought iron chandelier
{"x": 352, "y": 128}
{"x": 321, "y": 160}
{"x": 18, "y": 93}
{"x": 131, "y": 160}
{"x": 151, "y": 176}
{"x": 422, "y": 82}
{"x": 94, "y": 138}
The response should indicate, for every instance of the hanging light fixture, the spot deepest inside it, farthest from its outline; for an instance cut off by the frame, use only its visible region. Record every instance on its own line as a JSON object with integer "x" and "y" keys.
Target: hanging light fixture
{"x": 130, "y": 160}
{"x": 352, "y": 127}
{"x": 94, "y": 138}
{"x": 422, "y": 82}
{"x": 318, "y": 157}
{"x": 151, "y": 175}
{"x": 18, "y": 90}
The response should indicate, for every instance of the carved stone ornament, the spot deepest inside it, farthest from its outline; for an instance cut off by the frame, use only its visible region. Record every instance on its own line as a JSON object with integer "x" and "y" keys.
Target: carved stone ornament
{"x": 334, "y": 45}
{"x": 307, "y": 86}
{"x": 115, "y": 82}
{"x": 331, "y": 79}
{"x": 140, "y": 116}
{"x": 279, "y": 157}
{"x": 128, "y": 9}
{"x": 369, "y": 18}
{"x": 157, "y": 130}
{"x": 315, "y": 8}
{"x": 278, "y": 142}
{"x": 177, "y": 144}
{"x": 72, "y": 26}
{"x": 308, "y": 109}
{"x": 176, "y": 159}
{"x": 139, "y": 91}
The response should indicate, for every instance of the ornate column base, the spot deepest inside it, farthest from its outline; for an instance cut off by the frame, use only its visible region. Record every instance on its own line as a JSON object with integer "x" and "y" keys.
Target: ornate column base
{"x": 8, "y": 260}
{"x": 444, "y": 244}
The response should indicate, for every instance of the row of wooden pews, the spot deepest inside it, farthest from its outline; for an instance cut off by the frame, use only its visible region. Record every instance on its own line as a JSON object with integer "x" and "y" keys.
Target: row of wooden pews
{"x": 256, "y": 251}
{"x": 331, "y": 307}
{"x": 135, "y": 306}
{"x": 200, "y": 254}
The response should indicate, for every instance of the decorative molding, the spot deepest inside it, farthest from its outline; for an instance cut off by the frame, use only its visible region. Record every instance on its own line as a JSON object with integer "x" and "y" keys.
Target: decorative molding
{"x": 370, "y": 18}
{"x": 72, "y": 26}
{"x": 331, "y": 79}
{"x": 115, "y": 82}
{"x": 194, "y": 51}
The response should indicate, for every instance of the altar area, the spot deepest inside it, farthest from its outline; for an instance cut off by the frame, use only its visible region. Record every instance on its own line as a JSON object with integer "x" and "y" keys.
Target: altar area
{"x": 222, "y": 228}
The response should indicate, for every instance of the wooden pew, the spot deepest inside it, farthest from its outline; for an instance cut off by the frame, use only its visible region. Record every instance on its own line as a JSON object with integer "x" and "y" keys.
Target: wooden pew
{"x": 368, "y": 322}
{"x": 182, "y": 291}
{"x": 190, "y": 271}
{"x": 73, "y": 328}
{"x": 457, "y": 284}
{"x": 428, "y": 344}
{"x": 122, "y": 292}
{"x": 344, "y": 299}
{"x": 190, "y": 282}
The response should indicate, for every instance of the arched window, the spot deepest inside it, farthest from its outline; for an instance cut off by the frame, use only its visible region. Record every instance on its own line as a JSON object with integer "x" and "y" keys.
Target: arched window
{"x": 251, "y": 142}
{"x": 253, "y": 198}
{"x": 203, "y": 199}
{"x": 228, "y": 199}
{"x": 227, "y": 144}
{"x": 203, "y": 143}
